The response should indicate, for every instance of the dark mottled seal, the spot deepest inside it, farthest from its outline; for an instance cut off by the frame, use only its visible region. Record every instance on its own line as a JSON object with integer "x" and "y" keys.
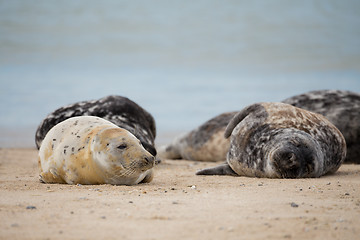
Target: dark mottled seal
{"x": 205, "y": 143}
{"x": 92, "y": 150}
{"x": 342, "y": 108}
{"x": 117, "y": 109}
{"x": 277, "y": 140}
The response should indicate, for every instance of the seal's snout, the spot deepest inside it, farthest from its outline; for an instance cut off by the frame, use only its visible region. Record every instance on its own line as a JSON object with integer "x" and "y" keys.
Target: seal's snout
{"x": 288, "y": 163}
{"x": 150, "y": 160}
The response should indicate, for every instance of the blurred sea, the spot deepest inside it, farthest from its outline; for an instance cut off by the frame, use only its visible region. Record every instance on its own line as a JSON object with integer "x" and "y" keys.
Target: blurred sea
{"x": 183, "y": 61}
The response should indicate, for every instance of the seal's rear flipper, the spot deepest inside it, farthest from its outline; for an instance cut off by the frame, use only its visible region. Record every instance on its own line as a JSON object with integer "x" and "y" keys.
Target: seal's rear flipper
{"x": 223, "y": 169}
{"x": 169, "y": 152}
{"x": 257, "y": 107}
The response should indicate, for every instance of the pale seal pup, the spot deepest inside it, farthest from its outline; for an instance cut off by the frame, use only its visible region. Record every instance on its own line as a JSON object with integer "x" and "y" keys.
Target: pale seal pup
{"x": 117, "y": 109}
{"x": 341, "y": 108}
{"x": 92, "y": 150}
{"x": 277, "y": 140}
{"x": 205, "y": 143}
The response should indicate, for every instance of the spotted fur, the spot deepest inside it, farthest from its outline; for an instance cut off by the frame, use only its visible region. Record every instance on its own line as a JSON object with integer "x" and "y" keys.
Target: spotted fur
{"x": 119, "y": 110}
{"x": 342, "y": 108}
{"x": 91, "y": 150}
{"x": 277, "y": 140}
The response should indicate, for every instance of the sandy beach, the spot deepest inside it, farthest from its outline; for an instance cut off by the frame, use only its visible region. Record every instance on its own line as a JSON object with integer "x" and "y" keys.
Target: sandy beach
{"x": 177, "y": 204}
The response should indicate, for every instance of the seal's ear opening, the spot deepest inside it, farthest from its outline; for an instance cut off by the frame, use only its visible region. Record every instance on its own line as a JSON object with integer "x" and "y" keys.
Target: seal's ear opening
{"x": 223, "y": 169}
{"x": 150, "y": 148}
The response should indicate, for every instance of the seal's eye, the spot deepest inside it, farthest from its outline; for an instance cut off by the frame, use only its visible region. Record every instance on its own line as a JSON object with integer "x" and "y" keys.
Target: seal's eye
{"x": 122, "y": 146}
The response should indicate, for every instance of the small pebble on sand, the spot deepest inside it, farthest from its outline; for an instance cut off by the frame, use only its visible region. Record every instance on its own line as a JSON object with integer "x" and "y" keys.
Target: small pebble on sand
{"x": 294, "y": 204}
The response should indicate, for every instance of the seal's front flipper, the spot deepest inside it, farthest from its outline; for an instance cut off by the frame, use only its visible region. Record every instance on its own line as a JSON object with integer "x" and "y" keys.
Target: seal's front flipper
{"x": 149, "y": 177}
{"x": 50, "y": 177}
{"x": 223, "y": 169}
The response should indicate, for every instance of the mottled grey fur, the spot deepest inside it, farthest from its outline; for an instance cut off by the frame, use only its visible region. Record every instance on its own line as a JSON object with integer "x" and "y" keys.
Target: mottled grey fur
{"x": 117, "y": 109}
{"x": 277, "y": 140}
{"x": 342, "y": 108}
{"x": 205, "y": 143}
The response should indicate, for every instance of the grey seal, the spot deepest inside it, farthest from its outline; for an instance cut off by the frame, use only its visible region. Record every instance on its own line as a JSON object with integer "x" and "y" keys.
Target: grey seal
{"x": 277, "y": 140}
{"x": 117, "y": 109}
{"x": 205, "y": 143}
{"x": 92, "y": 150}
{"x": 342, "y": 108}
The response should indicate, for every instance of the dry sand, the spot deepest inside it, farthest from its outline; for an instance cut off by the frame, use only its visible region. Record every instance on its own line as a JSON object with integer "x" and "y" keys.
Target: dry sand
{"x": 177, "y": 205}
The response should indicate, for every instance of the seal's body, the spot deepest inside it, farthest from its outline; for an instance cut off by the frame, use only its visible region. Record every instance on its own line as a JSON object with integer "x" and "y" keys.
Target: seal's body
{"x": 119, "y": 110}
{"x": 277, "y": 140}
{"x": 341, "y": 108}
{"x": 91, "y": 150}
{"x": 205, "y": 143}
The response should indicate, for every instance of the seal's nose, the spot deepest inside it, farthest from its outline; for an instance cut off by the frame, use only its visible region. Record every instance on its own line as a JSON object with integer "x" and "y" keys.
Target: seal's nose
{"x": 150, "y": 159}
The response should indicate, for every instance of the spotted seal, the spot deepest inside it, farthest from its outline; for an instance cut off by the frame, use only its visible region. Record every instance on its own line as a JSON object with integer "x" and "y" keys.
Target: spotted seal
{"x": 342, "y": 108}
{"x": 205, "y": 143}
{"x": 117, "y": 109}
{"x": 277, "y": 140}
{"x": 92, "y": 150}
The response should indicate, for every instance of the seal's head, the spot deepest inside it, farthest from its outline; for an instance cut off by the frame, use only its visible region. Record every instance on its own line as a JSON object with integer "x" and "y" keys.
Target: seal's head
{"x": 121, "y": 155}
{"x": 296, "y": 155}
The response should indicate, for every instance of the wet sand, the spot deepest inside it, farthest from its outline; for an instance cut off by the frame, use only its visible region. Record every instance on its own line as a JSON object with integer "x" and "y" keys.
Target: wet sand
{"x": 177, "y": 204}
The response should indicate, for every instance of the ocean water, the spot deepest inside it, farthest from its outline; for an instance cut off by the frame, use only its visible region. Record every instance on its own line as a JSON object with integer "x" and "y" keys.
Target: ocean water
{"x": 183, "y": 61}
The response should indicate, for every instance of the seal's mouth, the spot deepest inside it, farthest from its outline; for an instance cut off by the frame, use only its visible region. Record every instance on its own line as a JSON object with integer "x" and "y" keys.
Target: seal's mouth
{"x": 147, "y": 163}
